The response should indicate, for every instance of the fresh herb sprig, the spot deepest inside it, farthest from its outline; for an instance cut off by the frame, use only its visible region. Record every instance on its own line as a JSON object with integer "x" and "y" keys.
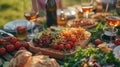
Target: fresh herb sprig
{"x": 98, "y": 30}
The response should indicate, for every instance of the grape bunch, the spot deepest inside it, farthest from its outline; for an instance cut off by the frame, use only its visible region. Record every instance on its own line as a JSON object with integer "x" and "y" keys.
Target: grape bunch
{"x": 44, "y": 41}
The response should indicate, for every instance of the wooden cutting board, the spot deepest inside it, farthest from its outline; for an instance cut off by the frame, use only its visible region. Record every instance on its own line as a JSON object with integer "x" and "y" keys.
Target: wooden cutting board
{"x": 59, "y": 54}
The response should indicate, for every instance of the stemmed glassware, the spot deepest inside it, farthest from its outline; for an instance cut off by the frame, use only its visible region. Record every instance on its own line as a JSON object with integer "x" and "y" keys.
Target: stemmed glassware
{"x": 31, "y": 13}
{"x": 87, "y": 7}
{"x": 112, "y": 21}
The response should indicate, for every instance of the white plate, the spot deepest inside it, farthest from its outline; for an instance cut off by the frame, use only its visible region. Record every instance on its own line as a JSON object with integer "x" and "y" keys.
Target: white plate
{"x": 3, "y": 32}
{"x": 11, "y": 26}
{"x": 116, "y": 52}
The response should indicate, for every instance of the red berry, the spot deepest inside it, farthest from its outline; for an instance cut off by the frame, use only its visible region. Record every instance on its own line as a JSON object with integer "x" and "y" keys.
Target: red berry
{"x": 14, "y": 39}
{"x": 10, "y": 48}
{"x": 61, "y": 47}
{"x": 26, "y": 45}
{"x": 73, "y": 39}
{"x": 97, "y": 42}
{"x": 55, "y": 46}
{"x": 2, "y": 51}
{"x": 117, "y": 41}
{"x": 68, "y": 46}
{"x": 18, "y": 45}
{"x": 22, "y": 48}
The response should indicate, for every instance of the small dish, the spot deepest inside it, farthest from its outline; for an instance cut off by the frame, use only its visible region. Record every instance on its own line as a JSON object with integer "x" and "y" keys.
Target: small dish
{"x": 11, "y": 26}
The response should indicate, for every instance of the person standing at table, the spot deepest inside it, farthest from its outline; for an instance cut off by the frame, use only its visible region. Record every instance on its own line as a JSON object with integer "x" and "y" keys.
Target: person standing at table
{"x": 41, "y": 4}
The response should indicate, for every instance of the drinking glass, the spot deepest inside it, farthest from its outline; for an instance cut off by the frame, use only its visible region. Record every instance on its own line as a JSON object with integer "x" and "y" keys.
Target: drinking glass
{"x": 118, "y": 7}
{"x": 87, "y": 7}
{"x": 31, "y": 13}
{"x": 21, "y": 32}
{"x": 112, "y": 21}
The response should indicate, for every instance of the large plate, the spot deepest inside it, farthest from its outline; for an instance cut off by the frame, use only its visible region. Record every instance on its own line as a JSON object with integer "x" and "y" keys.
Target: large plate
{"x": 11, "y": 26}
{"x": 116, "y": 52}
{"x": 4, "y": 34}
{"x": 82, "y": 22}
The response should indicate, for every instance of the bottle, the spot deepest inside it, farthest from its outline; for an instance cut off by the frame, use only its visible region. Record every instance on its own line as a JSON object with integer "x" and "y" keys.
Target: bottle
{"x": 62, "y": 19}
{"x": 51, "y": 15}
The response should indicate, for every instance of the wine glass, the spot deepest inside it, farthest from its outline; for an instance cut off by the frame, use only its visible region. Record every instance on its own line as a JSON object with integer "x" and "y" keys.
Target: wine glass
{"x": 118, "y": 7}
{"x": 31, "y": 13}
{"x": 87, "y": 7}
{"x": 112, "y": 21}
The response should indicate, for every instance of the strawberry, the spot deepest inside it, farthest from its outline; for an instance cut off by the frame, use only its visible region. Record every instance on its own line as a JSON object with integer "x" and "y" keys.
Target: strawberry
{"x": 117, "y": 42}
{"x": 2, "y": 51}
{"x": 10, "y": 48}
{"x": 26, "y": 45}
{"x": 61, "y": 47}
{"x": 18, "y": 45}
{"x": 22, "y": 48}
{"x": 55, "y": 46}
{"x": 14, "y": 39}
{"x": 97, "y": 42}
{"x": 68, "y": 46}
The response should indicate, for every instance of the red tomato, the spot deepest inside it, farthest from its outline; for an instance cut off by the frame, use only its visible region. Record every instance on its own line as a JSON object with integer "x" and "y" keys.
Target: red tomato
{"x": 68, "y": 46}
{"x": 61, "y": 47}
{"x": 73, "y": 39}
{"x": 18, "y": 45}
{"x": 117, "y": 41}
{"x": 22, "y": 48}
{"x": 14, "y": 39}
{"x": 71, "y": 43}
{"x": 55, "y": 46}
{"x": 97, "y": 42}
{"x": 2, "y": 51}
{"x": 2, "y": 41}
{"x": 26, "y": 45}
{"x": 7, "y": 38}
{"x": 10, "y": 48}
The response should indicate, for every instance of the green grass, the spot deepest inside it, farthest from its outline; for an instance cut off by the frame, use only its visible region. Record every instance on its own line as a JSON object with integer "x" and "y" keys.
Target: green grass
{"x": 13, "y": 9}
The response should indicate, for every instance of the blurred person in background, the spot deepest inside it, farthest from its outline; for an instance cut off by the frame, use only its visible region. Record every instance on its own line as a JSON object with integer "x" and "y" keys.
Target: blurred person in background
{"x": 41, "y": 4}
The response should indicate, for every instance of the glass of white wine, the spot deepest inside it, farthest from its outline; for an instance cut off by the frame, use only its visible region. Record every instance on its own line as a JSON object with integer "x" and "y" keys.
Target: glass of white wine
{"x": 31, "y": 13}
{"x": 87, "y": 7}
{"x": 112, "y": 21}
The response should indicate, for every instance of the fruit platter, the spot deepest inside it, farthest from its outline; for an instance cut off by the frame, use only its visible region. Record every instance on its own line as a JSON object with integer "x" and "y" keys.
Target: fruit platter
{"x": 60, "y": 42}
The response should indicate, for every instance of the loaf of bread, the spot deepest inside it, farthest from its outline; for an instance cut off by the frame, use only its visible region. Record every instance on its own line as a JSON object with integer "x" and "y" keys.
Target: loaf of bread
{"x": 24, "y": 58}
